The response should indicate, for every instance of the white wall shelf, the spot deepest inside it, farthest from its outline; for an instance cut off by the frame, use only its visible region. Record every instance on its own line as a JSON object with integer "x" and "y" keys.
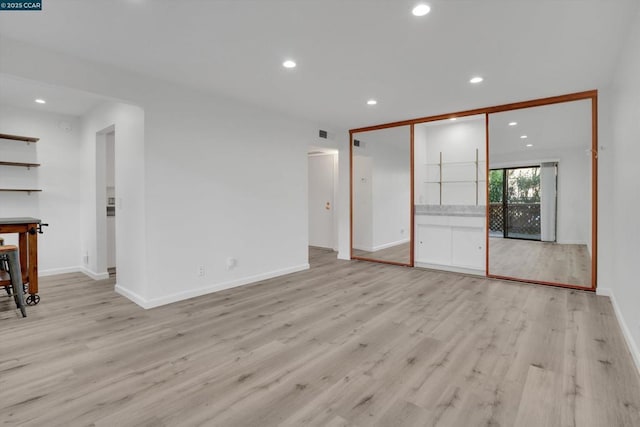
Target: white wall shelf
{"x": 28, "y": 165}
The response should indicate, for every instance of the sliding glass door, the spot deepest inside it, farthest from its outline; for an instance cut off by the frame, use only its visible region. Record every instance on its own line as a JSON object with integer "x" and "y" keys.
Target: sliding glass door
{"x": 514, "y": 196}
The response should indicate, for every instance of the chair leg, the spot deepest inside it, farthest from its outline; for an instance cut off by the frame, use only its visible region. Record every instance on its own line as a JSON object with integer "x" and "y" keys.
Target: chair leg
{"x": 3, "y": 267}
{"x": 16, "y": 282}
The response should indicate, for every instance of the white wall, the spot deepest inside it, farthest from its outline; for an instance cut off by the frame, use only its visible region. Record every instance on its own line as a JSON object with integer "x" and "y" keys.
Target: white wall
{"x": 574, "y": 188}
{"x": 625, "y": 103}
{"x": 389, "y": 151}
{"x": 457, "y": 141}
{"x": 58, "y": 204}
{"x": 206, "y": 177}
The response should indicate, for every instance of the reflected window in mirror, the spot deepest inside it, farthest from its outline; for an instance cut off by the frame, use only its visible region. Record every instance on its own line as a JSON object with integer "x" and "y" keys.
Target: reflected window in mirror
{"x": 540, "y": 194}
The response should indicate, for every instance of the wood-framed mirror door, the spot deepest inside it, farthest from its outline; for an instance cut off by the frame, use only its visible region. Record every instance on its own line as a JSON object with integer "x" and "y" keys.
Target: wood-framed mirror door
{"x": 542, "y": 192}
{"x": 381, "y": 195}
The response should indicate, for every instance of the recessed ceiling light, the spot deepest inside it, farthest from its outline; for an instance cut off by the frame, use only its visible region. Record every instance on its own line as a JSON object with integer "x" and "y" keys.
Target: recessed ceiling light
{"x": 421, "y": 10}
{"x": 453, "y": 119}
{"x": 513, "y": 123}
{"x": 372, "y": 102}
{"x": 41, "y": 101}
{"x": 523, "y": 137}
{"x": 289, "y": 64}
{"x": 529, "y": 145}
{"x": 476, "y": 79}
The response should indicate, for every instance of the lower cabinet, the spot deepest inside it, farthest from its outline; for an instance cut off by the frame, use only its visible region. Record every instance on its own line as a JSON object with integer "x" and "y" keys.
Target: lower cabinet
{"x": 450, "y": 243}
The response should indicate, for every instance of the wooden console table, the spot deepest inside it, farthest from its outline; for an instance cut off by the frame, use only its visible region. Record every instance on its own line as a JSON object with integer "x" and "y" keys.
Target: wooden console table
{"x": 27, "y": 229}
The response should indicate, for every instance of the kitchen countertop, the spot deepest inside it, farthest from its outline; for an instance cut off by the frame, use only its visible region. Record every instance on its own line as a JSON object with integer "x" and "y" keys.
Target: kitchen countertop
{"x": 451, "y": 210}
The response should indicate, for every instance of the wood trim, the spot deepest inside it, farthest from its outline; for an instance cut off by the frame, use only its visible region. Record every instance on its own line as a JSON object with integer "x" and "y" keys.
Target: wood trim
{"x": 19, "y": 138}
{"x": 412, "y": 215}
{"x": 381, "y": 261}
{"x": 541, "y": 282}
{"x": 594, "y": 191}
{"x": 351, "y": 194}
{"x": 486, "y": 110}
{"x": 486, "y": 184}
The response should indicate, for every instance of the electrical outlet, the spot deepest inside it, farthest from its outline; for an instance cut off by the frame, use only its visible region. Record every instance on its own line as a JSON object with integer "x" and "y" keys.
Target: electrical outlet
{"x": 201, "y": 271}
{"x": 231, "y": 263}
{"x": 85, "y": 259}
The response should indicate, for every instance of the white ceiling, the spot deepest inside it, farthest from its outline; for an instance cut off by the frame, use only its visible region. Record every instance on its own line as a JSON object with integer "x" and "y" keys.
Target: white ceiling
{"x": 23, "y": 93}
{"x": 550, "y": 127}
{"x": 347, "y": 50}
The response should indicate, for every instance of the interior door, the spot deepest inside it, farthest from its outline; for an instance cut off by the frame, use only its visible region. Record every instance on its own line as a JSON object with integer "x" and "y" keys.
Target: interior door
{"x": 321, "y": 200}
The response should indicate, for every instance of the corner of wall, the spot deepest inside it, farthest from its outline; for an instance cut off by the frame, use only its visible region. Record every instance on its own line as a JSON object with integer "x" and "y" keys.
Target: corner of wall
{"x": 634, "y": 349}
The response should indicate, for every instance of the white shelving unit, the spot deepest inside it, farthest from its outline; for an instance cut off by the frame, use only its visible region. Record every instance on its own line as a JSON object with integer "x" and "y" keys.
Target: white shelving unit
{"x": 473, "y": 168}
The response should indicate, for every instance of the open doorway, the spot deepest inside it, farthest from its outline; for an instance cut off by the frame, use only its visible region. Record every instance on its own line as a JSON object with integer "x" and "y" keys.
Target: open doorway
{"x": 106, "y": 201}
{"x": 323, "y": 167}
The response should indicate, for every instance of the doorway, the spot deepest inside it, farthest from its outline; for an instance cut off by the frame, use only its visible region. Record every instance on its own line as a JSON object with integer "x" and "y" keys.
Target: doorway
{"x": 515, "y": 203}
{"x": 322, "y": 170}
{"x": 106, "y": 202}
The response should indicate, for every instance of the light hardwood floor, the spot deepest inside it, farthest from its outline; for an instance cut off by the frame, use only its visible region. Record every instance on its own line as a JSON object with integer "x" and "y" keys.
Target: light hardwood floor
{"x": 397, "y": 253}
{"x": 542, "y": 261}
{"x": 344, "y": 344}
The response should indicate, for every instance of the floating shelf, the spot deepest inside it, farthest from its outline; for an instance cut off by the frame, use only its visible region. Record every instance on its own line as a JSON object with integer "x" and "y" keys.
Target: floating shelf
{"x": 21, "y": 190}
{"x": 26, "y": 139}
{"x": 20, "y": 164}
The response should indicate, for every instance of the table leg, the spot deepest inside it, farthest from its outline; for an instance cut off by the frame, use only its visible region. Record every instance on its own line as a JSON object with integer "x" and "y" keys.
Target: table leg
{"x": 33, "y": 263}
{"x": 22, "y": 244}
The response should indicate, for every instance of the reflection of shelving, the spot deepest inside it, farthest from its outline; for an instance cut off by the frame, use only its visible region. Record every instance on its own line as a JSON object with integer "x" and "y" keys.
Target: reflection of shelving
{"x": 440, "y": 181}
{"x": 28, "y": 165}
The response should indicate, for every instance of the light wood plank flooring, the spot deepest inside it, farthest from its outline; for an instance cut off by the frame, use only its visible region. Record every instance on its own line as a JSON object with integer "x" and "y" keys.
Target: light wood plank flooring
{"x": 542, "y": 261}
{"x": 397, "y": 253}
{"x": 344, "y": 344}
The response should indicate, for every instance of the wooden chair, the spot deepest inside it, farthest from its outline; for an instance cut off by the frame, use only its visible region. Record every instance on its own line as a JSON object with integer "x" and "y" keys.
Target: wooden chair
{"x": 11, "y": 261}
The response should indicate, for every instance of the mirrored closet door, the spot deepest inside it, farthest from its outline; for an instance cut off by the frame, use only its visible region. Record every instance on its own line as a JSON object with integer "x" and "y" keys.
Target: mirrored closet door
{"x": 381, "y": 195}
{"x": 450, "y": 194}
{"x": 540, "y": 194}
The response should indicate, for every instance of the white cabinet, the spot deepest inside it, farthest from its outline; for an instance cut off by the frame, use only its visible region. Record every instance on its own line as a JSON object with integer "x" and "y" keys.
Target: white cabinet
{"x": 429, "y": 252}
{"x": 467, "y": 246}
{"x": 452, "y": 243}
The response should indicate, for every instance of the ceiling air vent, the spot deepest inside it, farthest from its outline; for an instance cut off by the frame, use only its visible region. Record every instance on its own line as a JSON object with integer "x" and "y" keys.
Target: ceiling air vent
{"x": 323, "y": 134}
{"x": 356, "y": 143}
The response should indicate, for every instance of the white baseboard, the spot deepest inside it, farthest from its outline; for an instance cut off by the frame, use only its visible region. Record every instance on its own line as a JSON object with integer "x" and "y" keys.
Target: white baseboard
{"x": 131, "y": 296}
{"x": 451, "y": 268}
{"x": 345, "y": 256}
{"x": 379, "y": 247}
{"x": 76, "y": 269}
{"x": 63, "y": 270}
{"x": 180, "y": 296}
{"x": 631, "y": 343}
{"x": 390, "y": 245}
{"x": 93, "y": 274}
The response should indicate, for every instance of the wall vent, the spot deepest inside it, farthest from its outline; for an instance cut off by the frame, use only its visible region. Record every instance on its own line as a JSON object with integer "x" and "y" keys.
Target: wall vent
{"x": 323, "y": 134}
